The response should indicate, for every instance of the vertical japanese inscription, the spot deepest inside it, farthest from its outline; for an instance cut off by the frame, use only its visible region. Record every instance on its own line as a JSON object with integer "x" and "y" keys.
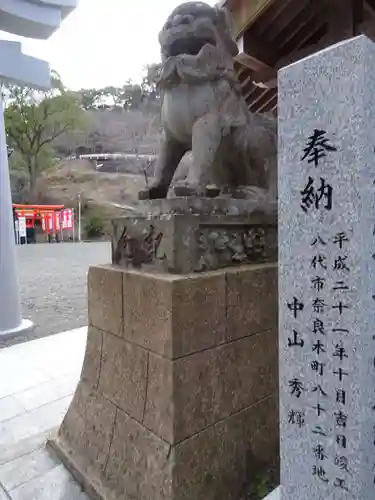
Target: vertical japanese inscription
{"x": 340, "y": 358}
{"x": 325, "y": 338}
{"x": 317, "y": 193}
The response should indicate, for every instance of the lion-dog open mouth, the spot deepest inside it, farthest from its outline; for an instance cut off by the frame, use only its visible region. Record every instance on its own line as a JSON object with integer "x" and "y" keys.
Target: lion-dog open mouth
{"x": 191, "y": 46}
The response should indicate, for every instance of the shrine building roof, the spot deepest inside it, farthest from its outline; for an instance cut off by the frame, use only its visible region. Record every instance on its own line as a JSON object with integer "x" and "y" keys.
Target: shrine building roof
{"x": 274, "y": 33}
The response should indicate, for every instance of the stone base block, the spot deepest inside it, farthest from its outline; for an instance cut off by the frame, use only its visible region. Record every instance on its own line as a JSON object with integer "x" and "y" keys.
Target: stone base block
{"x": 215, "y": 464}
{"x": 178, "y": 392}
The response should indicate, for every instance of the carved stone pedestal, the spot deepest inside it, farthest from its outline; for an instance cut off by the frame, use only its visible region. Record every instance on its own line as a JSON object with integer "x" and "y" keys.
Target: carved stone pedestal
{"x": 178, "y": 393}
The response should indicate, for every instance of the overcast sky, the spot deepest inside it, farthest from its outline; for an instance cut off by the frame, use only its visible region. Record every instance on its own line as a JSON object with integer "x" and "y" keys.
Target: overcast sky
{"x": 104, "y": 42}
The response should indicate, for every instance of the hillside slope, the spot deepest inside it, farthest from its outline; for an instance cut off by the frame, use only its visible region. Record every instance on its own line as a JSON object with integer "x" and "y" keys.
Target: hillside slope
{"x": 113, "y": 131}
{"x": 106, "y": 195}
{"x": 111, "y": 189}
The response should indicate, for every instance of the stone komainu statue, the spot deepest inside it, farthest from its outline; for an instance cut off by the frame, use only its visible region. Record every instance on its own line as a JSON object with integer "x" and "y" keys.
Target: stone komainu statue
{"x": 204, "y": 111}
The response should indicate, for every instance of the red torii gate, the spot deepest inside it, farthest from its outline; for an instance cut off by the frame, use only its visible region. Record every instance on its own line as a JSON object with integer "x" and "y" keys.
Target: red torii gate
{"x": 35, "y": 212}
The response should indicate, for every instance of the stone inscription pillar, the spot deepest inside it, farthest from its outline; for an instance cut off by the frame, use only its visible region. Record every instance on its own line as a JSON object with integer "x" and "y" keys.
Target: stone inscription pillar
{"x": 327, "y": 274}
{"x": 177, "y": 398}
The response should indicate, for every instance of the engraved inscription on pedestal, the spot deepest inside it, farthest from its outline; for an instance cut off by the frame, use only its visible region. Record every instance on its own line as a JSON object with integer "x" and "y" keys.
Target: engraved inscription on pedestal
{"x": 194, "y": 242}
{"x": 138, "y": 249}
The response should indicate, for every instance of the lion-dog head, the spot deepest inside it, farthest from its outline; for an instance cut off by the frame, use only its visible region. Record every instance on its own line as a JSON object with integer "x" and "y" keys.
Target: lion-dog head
{"x": 191, "y": 26}
{"x": 196, "y": 35}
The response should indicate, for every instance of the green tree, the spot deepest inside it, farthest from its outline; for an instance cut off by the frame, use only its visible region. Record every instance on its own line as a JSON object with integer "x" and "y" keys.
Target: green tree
{"x": 94, "y": 226}
{"x": 113, "y": 96}
{"x": 34, "y": 119}
{"x": 151, "y": 75}
{"x": 129, "y": 96}
{"x": 132, "y": 95}
{"x": 89, "y": 98}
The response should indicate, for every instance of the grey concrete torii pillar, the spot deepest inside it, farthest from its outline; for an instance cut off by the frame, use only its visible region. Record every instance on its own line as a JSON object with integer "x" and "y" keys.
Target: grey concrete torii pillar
{"x": 32, "y": 19}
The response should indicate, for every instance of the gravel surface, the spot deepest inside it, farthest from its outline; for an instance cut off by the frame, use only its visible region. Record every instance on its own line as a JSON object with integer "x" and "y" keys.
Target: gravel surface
{"x": 53, "y": 285}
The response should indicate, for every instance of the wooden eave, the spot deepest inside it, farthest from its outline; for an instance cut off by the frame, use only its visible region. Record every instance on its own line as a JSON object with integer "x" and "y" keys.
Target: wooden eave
{"x": 274, "y": 33}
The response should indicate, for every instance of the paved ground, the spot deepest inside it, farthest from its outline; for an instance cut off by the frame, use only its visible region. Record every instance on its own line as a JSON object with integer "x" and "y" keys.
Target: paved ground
{"x": 53, "y": 285}
{"x": 35, "y": 393}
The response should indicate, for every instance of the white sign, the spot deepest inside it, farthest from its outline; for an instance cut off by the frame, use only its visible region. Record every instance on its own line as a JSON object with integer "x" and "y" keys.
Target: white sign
{"x": 68, "y": 218}
{"x": 22, "y": 227}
